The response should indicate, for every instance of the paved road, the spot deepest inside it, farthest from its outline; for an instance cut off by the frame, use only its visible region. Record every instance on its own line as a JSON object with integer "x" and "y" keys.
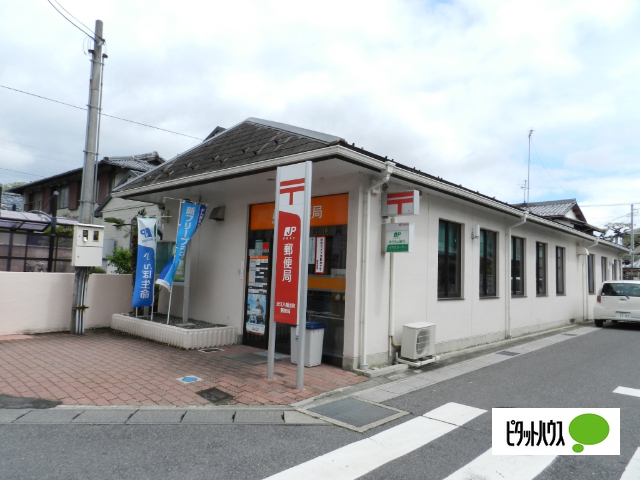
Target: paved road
{"x": 580, "y": 371}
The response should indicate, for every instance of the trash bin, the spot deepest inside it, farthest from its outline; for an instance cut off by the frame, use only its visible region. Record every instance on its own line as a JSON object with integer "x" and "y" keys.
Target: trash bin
{"x": 312, "y": 344}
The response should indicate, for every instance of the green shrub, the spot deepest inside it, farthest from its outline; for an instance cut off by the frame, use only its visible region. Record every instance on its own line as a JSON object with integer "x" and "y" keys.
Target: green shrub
{"x": 121, "y": 261}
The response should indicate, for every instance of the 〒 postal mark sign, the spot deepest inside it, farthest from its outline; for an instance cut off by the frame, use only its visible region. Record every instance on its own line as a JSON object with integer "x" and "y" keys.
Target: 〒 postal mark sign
{"x": 555, "y": 431}
{"x": 401, "y": 203}
{"x": 293, "y": 180}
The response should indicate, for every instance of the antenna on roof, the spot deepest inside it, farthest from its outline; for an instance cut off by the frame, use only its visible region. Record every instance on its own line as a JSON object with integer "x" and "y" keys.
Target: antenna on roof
{"x": 528, "y": 184}
{"x": 524, "y": 192}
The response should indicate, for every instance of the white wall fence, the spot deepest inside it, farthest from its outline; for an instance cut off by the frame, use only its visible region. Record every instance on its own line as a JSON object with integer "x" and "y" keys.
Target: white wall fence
{"x": 41, "y": 302}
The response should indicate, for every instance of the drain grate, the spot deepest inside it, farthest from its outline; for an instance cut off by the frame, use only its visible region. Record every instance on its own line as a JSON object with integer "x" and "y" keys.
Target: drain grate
{"x": 211, "y": 350}
{"x": 277, "y": 356}
{"x": 356, "y": 414}
{"x": 214, "y": 395}
{"x": 508, "y": 353}
{"x": 570, "y": 334}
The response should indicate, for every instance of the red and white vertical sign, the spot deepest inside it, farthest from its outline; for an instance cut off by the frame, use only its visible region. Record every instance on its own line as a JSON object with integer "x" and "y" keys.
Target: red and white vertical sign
{"x": 293, "y": 207}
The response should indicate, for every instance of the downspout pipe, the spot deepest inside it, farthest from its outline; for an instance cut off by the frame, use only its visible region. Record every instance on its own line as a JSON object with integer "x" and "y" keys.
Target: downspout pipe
{"x": 365, "y": 252}
{"x": 507, "y": 275}
{"x": 393, "y": 344}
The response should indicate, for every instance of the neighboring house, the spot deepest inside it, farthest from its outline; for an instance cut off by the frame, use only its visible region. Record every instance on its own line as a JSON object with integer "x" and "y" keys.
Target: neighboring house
{"x": 481, "y": 270}
{"x": 566, "y": 212}
{"x": 112, "y": 172}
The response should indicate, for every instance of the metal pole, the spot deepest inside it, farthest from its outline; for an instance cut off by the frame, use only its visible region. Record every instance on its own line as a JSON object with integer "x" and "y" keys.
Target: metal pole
{"x": 87, "y": 196}
{"x": 529, "y": 167}
{"x": 302, "y": 319}
{"x": 271, "y": 346}
{"x": 187, "y": 281}
{"x": 52, "y": 235}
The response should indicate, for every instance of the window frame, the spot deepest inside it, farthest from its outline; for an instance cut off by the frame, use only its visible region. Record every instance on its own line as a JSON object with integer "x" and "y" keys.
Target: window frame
{"x": 604, "y": 263}
{"x": 446, "y": 293}
{"x": 484, "y": 234}
{"x": 541, "y": 270}
{"x": 523, "y": 266}
{"x": 63, "y": 198}
{"x": 591, "y": 274}
{"x": 561, "y": 278}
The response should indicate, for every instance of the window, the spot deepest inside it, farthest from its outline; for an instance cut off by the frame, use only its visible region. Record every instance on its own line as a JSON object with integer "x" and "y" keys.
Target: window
{"x": 488, "y": 271}
{"x": 560, "y": 271}
{"x": 541, "y": 268}
{"x": 449, "y": 260}
{"x": 603, "y": 268}
{"x": 36, "y": 201}
{"x": 591, "y": 274}
{"x": 63, "y": 197}
{"x": 517, "y": 266}
{"x": 614, "y": 270}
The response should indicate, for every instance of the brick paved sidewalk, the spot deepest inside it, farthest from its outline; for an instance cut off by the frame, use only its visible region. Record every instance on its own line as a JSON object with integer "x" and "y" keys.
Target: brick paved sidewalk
{"x": 107, "y": 368}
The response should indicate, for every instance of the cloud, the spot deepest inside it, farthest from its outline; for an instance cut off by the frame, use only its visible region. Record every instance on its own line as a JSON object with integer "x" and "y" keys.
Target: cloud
{"x": 451, "y": 88}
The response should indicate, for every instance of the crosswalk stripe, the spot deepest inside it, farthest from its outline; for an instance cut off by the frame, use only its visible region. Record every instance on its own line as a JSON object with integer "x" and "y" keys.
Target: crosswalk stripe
{"x": 634, "y": 392}
{"x": 632, "y": 472}
{"x": 357, "y": 459}
{"x": 503, "y": 467}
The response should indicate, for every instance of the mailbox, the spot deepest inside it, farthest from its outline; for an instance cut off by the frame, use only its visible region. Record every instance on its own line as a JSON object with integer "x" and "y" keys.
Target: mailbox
{"x": 88, "y": 241}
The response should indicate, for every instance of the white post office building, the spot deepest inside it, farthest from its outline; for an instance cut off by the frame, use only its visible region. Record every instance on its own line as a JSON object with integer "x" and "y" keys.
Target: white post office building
{"x": 479, "y": 269}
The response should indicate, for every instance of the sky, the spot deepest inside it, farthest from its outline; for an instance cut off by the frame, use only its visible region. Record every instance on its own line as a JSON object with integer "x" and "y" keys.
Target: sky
{"x": 449, "y": 87}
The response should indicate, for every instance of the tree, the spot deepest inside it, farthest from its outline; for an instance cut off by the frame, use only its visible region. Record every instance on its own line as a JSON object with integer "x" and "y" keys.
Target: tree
{"x": 7, "y": 186}
{"x": 121, "y": 260}
{"x": 120, "y": 224}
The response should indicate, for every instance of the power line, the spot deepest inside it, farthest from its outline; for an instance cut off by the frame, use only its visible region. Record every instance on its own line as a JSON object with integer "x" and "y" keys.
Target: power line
{"x": 25, "y": 173}
{"x": 38, "y": 148}
{"x": 34, "y": 155}
{"x": 103, "y": 114}
{"x": 71, "y": 15}
{"x": 63, "y": 16}
{"x": 545, "y": 169}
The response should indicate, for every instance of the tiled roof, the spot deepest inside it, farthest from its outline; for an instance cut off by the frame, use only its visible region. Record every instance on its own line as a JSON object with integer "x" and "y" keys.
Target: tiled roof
{"x": 553, "y": 208}
{"x": 11, "y": 199}
{"x": 251, "y": 141}
{"x": 135, "y": 162}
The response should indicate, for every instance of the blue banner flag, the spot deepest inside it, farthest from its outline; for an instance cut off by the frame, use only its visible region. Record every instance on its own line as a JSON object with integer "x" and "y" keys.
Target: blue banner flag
{"x": 146, "y": 264}
{"x": 191, "y": 216}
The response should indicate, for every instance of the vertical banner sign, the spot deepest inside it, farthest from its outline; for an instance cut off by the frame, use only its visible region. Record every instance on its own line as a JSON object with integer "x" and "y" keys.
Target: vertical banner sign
{"x": 146, "y": 264}
{"x": 320, "y": 254}
{"x": 191, "y": 215}
{"x": 290, "y": 266}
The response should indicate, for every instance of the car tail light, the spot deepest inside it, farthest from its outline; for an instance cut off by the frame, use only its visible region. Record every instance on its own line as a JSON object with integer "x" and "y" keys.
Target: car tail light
{"x": 598, "y": 298}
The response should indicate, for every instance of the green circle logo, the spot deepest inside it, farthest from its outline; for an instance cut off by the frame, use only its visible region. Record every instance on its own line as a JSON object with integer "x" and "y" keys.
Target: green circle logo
{"x": 588, "y": 429}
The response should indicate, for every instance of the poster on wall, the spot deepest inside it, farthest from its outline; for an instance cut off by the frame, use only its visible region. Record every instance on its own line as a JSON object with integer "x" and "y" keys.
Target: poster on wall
{"x": 256, "y": 307}
{"x": 258, "y": 270}
{"x": 320, "y": 254}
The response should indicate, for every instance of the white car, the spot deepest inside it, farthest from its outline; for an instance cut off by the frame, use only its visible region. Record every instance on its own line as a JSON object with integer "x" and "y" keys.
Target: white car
{"x": 618, "y": 301}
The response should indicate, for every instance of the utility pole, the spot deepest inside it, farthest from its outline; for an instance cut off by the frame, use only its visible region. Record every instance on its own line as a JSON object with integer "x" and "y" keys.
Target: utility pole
{"x": 529, "y": 167}
{"x": 632, "y": 242}
{"x": 88, "y": 198}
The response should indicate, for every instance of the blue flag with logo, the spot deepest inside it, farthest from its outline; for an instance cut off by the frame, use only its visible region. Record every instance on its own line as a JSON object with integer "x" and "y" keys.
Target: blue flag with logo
{"x": 191, "y": 215}
{"x": 146, "y": 264}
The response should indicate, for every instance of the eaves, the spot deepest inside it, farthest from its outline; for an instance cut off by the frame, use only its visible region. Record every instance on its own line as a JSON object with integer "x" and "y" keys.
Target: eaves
{"x": 358, "y": 158}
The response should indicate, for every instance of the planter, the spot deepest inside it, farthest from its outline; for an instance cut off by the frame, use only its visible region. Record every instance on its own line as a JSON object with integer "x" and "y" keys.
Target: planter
{"x": 175, "y": 336}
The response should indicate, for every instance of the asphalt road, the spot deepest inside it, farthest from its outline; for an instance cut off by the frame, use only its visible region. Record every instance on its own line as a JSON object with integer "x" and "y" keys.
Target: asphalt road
{"x": 580, "y": 372}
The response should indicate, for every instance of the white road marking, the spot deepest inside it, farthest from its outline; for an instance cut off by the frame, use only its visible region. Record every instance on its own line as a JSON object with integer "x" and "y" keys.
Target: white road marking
{"x": 357, "y": 459}
{"x": 632, "y": 472}
{"x": 634, "y": 392}
{"x": 503, "y": 467}
{"x": 454, "y": 413}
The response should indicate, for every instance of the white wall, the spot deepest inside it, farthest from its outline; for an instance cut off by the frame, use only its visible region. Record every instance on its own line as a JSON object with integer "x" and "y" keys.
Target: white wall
{"x": 41, "y": 302}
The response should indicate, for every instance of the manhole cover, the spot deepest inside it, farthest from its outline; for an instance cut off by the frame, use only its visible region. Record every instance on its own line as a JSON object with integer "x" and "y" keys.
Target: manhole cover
{"x": 356, "y": 413}
{"x": 508, "y": 354}
{"x": 189, "y": 379}
{"x": 248, "y": 358}
{"x": 214, "y": 395}
{"x": 211, "y": 350}
{"x": 277, "y": 356}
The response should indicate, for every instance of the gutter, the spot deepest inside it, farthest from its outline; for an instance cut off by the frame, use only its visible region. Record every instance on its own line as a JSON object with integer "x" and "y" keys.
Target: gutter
{"x": 389, "y": 167}
{"x": 340, "y": 152}
{"x": 507, "y": 275}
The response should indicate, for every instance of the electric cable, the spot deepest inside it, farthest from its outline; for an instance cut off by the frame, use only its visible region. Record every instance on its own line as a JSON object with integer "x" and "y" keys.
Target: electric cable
{"x": 25, "y": 173}
{"x": 63, "y": 16}
{"x": 37, "y": 148}
{"x": 40, "y": 156}
{"x": 545, "y": 169}
{"x": 104, "y": 114}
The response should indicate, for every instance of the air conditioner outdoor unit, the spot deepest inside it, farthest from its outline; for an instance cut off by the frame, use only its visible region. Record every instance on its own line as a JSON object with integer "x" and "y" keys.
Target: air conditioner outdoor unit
{"x": 418, "y": 340}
